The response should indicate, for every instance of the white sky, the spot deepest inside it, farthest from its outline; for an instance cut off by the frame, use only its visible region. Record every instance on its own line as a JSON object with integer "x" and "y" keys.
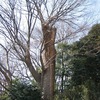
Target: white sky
{"x": 95, "y": 9}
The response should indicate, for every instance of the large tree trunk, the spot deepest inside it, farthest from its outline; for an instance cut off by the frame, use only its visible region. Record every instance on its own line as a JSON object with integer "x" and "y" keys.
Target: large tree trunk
{"x": 48, "y": 56}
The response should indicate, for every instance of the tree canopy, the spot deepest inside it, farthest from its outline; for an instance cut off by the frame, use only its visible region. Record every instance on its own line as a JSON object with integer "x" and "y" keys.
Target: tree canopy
{"x": 86, "y": 62}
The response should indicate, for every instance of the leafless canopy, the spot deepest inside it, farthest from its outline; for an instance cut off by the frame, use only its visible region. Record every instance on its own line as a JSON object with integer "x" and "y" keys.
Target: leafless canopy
{"x": 21, "y": 23}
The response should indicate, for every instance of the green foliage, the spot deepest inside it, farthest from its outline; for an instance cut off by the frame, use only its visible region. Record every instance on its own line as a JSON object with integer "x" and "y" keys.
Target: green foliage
{"x": 23, "y": 91}
{"x": 62, "y": 70}
{"x": 90, "y": 44}
{"x": 86, "y": 63}
{"x": 86, "y": 68}
{"x": 4, "y": 96}
{"x": 81, "y": 63}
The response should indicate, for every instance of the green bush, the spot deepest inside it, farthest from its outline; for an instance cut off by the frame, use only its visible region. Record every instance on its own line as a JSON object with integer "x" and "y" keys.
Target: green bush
{"x": 21, "y": 91}
{"x": 4, "y": 96}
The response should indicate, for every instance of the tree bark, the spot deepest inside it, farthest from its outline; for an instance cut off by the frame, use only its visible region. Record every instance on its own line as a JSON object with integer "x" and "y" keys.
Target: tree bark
{"x": 48, "y": 56}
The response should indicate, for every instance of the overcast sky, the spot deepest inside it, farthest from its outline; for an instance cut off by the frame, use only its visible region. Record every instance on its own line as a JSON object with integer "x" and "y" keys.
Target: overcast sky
{"x": 95, "y": 8}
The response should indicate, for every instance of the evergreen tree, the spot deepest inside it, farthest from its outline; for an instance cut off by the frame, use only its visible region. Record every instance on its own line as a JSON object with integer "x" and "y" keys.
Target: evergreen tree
{"x": 86, "y": 63}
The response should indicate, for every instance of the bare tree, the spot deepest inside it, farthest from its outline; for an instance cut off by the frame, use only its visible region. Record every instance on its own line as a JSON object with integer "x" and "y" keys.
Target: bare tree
{"x": 4, "y": 67}
{"x": 36, "y": 49}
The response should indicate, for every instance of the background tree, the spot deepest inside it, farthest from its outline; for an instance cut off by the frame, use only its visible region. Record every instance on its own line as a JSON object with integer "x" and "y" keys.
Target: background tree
{"x": 86, "y": 63}
{"x": 63, "y": 71}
